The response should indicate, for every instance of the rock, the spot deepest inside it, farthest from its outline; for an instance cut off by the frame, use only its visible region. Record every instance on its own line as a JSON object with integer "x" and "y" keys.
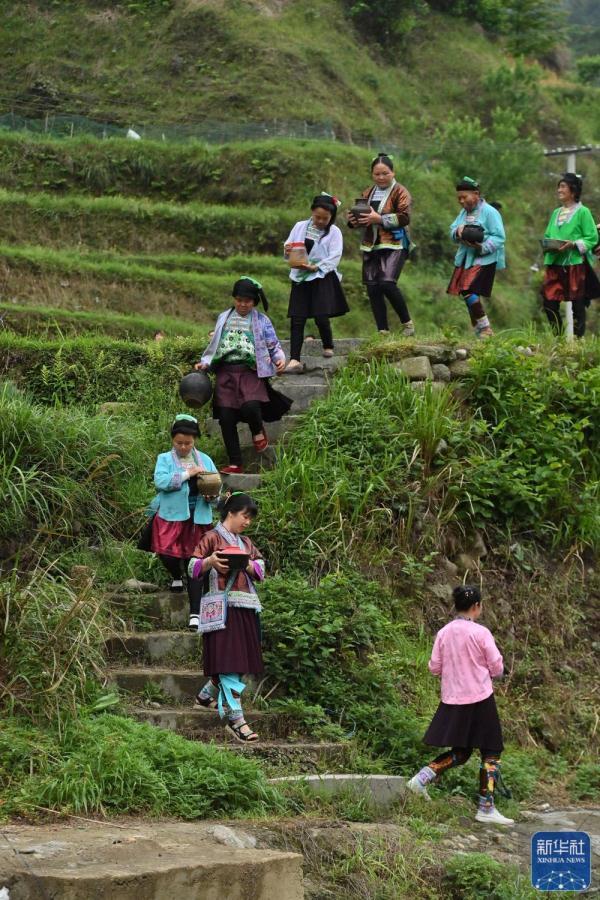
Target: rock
{"x": 478, "y": 548}
{"x": 449, "y": 567}
{"x": 115, "y": 408}
{"x": 441, "y": 372}
{"x": 441, "y": 447}
{"x": 416, "y": 368}
{"x": 462, "y": 353}
{"x": 238, "y": 839}
{"x": 459, "y": 368}
{"x": 143, "y": 587}
{"x": 80, "y": 574}
{"x": 525, "y": 351}
{"x": 435, "y": 353}
{"x": 420, "y": 386}
{"x": 466, "y": 563}
{"x": 442, "y": 591}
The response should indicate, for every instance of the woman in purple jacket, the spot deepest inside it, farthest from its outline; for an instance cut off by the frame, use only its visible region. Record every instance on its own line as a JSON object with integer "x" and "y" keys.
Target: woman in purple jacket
{"x": 245, "y": 352}
{"x": 466, "y": 657}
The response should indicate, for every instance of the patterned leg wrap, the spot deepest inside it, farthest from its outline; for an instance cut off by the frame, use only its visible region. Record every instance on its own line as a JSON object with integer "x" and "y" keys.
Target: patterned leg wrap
{"x": 458, "y": 756}
{"x": 479, "y": 319}
{"x": 489, "y": 771}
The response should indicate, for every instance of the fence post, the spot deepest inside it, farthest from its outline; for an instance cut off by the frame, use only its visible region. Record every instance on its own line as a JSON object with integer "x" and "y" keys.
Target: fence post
{"x": 571, "y": 167}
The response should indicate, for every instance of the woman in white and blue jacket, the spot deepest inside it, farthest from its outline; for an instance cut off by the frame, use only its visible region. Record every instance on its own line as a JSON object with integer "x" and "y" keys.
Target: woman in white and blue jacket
{"x": 476, "y": 263}
{"x": 181, "y": 514}
{"x": 316, "y": 289}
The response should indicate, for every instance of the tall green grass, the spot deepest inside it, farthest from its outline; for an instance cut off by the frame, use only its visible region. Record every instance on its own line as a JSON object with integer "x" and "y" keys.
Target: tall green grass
{"x": 108, "y": 764}
{"x": 65, "y": 473}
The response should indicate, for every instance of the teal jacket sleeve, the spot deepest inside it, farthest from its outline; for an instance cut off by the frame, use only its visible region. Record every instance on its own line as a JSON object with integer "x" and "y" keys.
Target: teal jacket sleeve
{"x": 165, "y": 477}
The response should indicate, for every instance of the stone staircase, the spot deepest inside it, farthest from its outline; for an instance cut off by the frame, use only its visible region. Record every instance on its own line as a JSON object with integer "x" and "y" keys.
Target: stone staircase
{"x": 156, "y": 663}
{"x": 303, "y": 388}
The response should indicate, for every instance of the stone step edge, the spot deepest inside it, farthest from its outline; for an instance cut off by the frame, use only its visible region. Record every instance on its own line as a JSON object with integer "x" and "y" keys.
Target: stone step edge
{"x": 382, "y": 790}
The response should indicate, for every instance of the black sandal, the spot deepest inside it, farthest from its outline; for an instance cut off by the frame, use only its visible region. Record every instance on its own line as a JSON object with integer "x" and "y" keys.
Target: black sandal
{"x": 205, "y": 702}
{"x": 236, "y": 731}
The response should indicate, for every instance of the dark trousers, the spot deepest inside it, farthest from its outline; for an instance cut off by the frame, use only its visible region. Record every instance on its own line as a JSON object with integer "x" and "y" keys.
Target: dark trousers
{"x": 553, "y": 314}
{"x": 297, "y": 334}
{"x": 377, "y": 295}
{"x": 174, "y": 566}
{"x": 251, "y": 414}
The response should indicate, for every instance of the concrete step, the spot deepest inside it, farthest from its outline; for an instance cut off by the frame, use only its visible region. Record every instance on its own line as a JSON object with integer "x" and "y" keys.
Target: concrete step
{"x": 155, "y": 647}
{"x": 274, "y": 430}
{"x": 303, "y": 392}
{"x": 177, "y": 684}
{"x": 144, "y": 860}
{"x": 315, "y": 364}
{"x": 205, "y": 724}
{"x": 285, "y": 757}
{"x": 247, "y": 482}
{"x": 343, "y": 346}
{"x": 162, "y": 610}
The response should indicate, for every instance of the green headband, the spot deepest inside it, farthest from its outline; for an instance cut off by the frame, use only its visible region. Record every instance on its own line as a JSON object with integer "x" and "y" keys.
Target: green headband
{"x": 253, "y": 280}
{"x": 184, "y": 417}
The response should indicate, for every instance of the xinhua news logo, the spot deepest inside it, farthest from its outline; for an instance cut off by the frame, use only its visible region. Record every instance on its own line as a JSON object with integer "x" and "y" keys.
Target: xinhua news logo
{"x": 561, "y": 861}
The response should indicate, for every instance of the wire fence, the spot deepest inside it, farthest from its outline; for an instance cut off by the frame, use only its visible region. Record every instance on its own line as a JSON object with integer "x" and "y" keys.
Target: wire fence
{"x": 208, "y": 131}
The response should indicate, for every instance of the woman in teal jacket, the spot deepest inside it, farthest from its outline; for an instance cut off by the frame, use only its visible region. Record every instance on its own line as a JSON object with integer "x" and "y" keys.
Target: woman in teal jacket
{"x": 476, "y": 263}
{"x": 181, "y": 515}
{"x": 568, "y": 273}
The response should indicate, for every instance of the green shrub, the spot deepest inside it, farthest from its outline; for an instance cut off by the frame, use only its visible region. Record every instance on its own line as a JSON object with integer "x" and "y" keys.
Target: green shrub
{"x": 586, "y": 783}
{"x": 588, "y": 69}
{"x": 476, "y": 876}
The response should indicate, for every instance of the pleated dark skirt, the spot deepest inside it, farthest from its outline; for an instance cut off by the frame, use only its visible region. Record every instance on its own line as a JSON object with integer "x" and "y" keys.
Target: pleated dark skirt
{"x": 382, "y": 265}
{"x": 319, "y": 297}
{"x": 235, "y": 649}
{"x": 476, "y": 280}
{"x": 466, "y": 725}
{"x": 578, "y": 282}
{"x": 236, "y": 385}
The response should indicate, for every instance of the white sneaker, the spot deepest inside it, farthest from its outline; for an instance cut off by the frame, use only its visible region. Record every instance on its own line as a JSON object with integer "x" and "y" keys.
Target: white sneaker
{"x": 176, "y": 586}
{"x": 493, "y": 817}
{"x": 193, "y": 623}
{"x": 417, "y": 787}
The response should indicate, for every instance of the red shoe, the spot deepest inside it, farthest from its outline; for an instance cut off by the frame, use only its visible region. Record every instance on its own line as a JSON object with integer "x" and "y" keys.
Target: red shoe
{"x": 261, "y": 442}
{"x": 232, "y": 470}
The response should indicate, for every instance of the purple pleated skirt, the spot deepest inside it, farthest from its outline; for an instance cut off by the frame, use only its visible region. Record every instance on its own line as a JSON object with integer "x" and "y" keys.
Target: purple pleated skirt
{"x": 235, "y": 649}
{"x": 236, "y": 385}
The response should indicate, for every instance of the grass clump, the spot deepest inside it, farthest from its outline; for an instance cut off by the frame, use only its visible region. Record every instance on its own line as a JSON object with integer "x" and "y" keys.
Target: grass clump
{"x": 66, "y": 475}
{"x": 476, "y": 876}
{"x": 112, "y": 765}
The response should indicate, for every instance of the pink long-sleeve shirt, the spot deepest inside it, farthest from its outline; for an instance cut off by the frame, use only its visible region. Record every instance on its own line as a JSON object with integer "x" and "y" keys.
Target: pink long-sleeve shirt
{"x": 465, "y": 655}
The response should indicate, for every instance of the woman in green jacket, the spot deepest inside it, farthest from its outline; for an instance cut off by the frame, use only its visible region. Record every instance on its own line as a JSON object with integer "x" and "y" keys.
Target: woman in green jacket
{"x": 568, "y": 274}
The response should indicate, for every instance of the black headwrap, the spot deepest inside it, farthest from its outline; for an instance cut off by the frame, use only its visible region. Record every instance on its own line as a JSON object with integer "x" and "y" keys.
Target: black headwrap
{"x": 467, "y": 184}
{"x": 249, "y": 287}
{"x": 575, "y": 182}
{"x": 185, "y": 424}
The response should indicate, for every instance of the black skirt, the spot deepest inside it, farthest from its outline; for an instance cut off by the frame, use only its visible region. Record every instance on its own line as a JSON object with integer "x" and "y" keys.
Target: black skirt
{"x": 319, "y": 297}
{"x": 382, "y": 265}
{"x": 466, "y": 725}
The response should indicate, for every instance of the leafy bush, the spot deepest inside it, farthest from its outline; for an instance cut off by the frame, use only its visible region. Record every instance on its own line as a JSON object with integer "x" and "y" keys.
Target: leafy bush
{"x": 109, "y": 764}
{"x": 588, "y": 69}
{"x": 476, "y": 876}
{"x": 586, "y": 783}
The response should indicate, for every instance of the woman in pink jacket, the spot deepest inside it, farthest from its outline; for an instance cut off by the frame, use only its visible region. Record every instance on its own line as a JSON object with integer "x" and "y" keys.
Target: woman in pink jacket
{"x": 466, "y": 657}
